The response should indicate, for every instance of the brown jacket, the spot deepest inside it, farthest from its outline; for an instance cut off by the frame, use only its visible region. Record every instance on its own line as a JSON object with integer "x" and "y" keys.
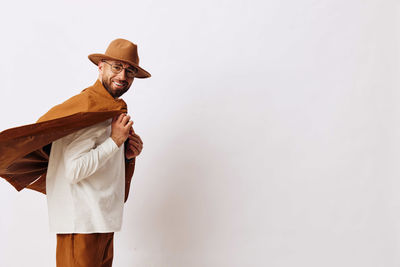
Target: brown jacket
{"x": 25, "y": 150}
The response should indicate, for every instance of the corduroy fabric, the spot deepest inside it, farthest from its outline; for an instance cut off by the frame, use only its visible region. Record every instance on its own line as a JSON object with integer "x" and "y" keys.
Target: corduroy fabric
{"x": 85, "y": 250}
{"x": 25, "y": 150}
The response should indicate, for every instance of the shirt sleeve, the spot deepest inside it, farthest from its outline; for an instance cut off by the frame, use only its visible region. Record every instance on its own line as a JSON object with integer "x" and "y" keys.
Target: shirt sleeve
{"x": 82, "y": 157}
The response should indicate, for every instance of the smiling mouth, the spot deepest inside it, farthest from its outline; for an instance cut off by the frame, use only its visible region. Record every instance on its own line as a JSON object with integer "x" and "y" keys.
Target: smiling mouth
{"x": 119, "y": 84}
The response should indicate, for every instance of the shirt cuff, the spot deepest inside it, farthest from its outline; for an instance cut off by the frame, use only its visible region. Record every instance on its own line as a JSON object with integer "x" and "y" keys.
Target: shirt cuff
{"x": 113, "y": 144}
{"x": 110, "y": 145}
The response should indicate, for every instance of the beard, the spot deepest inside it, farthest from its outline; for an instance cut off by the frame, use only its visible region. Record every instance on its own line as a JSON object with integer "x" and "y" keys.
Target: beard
{"x": 112, "y": 90}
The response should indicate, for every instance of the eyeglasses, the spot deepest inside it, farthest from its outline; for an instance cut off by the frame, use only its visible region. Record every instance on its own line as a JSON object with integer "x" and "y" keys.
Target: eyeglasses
{"x": 117, "y": 68}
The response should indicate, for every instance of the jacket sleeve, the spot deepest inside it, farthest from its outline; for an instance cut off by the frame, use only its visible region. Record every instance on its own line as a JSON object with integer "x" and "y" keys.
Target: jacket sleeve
{"x": 82, "y": 157}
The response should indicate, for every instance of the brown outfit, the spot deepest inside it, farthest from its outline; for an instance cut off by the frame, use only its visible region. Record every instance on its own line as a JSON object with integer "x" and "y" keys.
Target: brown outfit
{"x": 25, "y": 150}
{"x": 85, "y": 250}
{"x": 24, "y": 156}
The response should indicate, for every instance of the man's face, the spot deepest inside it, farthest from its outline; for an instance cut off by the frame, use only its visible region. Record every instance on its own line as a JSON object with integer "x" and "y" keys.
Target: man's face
{"x": 115, "y": 83}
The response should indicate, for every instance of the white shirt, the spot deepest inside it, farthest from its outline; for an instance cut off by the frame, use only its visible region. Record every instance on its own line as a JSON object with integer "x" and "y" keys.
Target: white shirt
{"x": 85, "y": 182}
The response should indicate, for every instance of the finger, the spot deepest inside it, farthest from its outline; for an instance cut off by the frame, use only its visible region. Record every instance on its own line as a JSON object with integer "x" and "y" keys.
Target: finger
{"x": 134, "y": 138}
{"x": 114, "y": 118}
{"x": 129, "y": 124}
{"x": 120, "y": 117}
{"x": 137, "y": 137}
{"x": 135, "y": 143}
{"x": 132, "y": 135}
{"x": 125, "y": 119}
{"x": 135, "y": 147}
{"x": 134, "y": 150}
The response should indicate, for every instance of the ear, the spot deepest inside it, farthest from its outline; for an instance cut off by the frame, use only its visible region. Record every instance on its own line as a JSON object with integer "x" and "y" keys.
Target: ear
{"x": 100, "y": 65}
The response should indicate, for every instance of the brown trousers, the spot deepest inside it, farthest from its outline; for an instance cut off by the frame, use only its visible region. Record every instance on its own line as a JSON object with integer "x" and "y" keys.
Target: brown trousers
{"x": 85, "y": 250}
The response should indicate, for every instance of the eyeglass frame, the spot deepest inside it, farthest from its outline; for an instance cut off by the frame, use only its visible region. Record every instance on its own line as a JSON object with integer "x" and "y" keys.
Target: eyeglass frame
{"x": 134, "y": 71}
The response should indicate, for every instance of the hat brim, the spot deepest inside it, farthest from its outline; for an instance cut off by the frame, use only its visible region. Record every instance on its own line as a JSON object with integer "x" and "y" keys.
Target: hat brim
{"x": 96, "y": 58}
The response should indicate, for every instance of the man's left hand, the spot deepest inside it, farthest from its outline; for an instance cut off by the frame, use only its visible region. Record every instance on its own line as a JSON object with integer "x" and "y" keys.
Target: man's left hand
{"x": 134, "y": 145}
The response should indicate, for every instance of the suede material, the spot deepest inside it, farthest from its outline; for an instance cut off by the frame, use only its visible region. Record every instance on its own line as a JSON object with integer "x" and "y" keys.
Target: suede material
{"x": 25, "y": 150}
{"x": 122, "y": 50}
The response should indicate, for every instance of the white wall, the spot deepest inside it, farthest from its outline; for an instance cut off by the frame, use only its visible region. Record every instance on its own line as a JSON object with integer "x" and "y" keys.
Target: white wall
{"x": 269, "y": 127}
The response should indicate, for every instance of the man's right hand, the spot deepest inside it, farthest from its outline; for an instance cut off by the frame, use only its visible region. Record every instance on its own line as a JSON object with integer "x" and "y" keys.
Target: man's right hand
{"x": 120, "y": 126}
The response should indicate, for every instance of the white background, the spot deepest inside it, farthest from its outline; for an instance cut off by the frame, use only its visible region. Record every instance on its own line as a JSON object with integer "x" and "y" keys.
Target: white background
{"x": 270, "y": 128}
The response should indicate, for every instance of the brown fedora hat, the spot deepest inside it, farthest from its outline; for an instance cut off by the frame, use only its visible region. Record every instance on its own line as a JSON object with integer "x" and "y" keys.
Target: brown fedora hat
{"x": 122, "y": 50}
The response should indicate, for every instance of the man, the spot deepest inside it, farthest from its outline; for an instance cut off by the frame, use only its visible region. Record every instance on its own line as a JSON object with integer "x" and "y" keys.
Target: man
{"x": 85, "y": 181}
{"x": 81, "y": 154}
